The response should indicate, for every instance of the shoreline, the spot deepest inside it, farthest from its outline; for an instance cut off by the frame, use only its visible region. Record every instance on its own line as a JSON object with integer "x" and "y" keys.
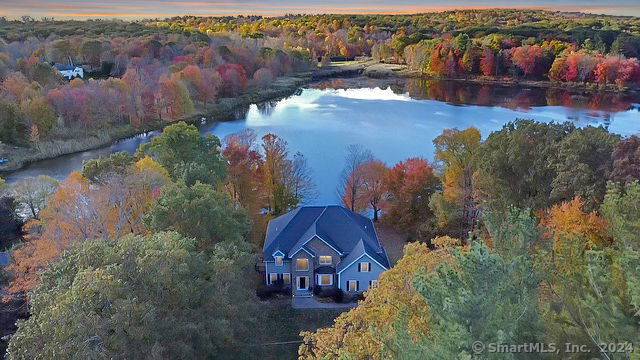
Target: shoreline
{"x": 20, "y": 157}
{"x": 281, "y": 88}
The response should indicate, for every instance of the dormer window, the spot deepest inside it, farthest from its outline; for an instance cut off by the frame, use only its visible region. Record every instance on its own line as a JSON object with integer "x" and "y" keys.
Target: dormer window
{"x": 325, "y": 260}
{"x": 279, "y": 260}
{"x": 364, "y": 267}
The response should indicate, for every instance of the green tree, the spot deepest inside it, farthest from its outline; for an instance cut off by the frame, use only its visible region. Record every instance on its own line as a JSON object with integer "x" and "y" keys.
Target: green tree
{"x": 482, "y": 298}
{"x": 620, "y": 208}
{"x": 98, "y": 170}
{"x": 187, "y": 155}
{"x": 515, "y": 163}
{"x": 153, "y": 297}
{"x": 198, "y": 211}
{"x": 12, "y": 130}
{"x": 582, "y": 163}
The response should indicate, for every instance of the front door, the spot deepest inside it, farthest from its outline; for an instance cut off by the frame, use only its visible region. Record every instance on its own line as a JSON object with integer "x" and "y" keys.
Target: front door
{"x": 303, "y": 283}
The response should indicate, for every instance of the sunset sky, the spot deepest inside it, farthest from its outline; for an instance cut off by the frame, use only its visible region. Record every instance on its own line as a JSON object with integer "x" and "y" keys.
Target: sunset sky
{"x": 135, "y": 9}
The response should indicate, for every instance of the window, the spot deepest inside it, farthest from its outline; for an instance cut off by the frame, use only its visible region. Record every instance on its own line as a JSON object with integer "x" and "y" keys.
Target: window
{"x": 302, "y": 264}
{"x": 352, "y": 285}
{"x": 286, "y": 278}
{"x": 279, "y": 260}
{"x": 364, "y": 267}
{"x": 273, "y": 277}
{"x": 325, "y": 260}
{"x": 373, "y": 283}
{"x": 325, "y": 280}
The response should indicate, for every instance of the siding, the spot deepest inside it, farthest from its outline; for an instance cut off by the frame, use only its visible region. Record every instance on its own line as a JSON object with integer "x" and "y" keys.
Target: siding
{"x": 271, "y": 267}
{"x": 351, "y": 273}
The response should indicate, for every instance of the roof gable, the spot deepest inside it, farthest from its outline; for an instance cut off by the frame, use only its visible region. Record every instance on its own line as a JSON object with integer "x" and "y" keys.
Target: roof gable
{"x": 362, "y": 249}
{"x": 336, "y": 226}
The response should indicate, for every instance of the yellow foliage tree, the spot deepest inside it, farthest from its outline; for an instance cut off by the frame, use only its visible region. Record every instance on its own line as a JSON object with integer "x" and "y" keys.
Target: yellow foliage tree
{"x": 568, "y": 222}
{"x": 361, "y": 332}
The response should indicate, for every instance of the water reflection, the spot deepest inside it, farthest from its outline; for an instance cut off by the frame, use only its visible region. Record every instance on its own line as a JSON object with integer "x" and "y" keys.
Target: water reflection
{"x": 395, "y": 119}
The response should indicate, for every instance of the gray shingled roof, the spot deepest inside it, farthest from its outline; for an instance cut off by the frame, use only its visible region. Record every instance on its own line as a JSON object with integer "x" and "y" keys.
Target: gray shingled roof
{"x": 337, "y": 226}
{"x": 360, "y": 248}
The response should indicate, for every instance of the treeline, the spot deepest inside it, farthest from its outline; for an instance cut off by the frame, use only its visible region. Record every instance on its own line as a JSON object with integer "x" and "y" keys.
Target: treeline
{"x": 153, "y": 70}
{"x": 530, "y": 236}
{"x": 150, "y": 247}
{"x": 134, "y": 81}
{"x": 509, "y": 56}
{"x": 527, "y": 164}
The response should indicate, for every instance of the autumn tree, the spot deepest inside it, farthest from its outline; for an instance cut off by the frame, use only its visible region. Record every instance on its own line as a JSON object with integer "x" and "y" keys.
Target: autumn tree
{"x": 371, "y": 194}
{"x": 244, "y": 169}
{"x": 350, "y": 180}
{"x": 582, "y": 278}
{"x": 626, "y": 160}
{"x": 364, "y": 331}
{"x": 409, "y": 185}
{"x": 78, "y": 211}
{"x": 488, "y": 63}
{"x": 456, "y": 151}
{"x": 276, "y": 169}
{"x": 31, "y": 193}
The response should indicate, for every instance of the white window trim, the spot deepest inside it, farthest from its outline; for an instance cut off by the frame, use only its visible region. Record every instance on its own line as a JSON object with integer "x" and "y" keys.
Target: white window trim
{"x": 325, "y": 257}
{"x": 281, "y": 260}
{"x": 349, "y": 287}
{"x": 368, "y": 267}
{"x": 289, "y": 282}
{"x": 360, "y": 257}
{"x": 319, "y": 276}
{"x": 373, "y": 283}
{"x": 271, "y": 282}
{"x": 306, "y": 282}
{"x": 297, "y": 264}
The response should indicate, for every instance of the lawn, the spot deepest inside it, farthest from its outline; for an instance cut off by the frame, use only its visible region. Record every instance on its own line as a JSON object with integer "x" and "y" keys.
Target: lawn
{"x": 279, "y": 335}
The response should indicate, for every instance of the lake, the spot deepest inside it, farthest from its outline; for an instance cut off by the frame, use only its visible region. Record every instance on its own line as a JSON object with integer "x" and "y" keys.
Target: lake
{"x": 395, "y": 119}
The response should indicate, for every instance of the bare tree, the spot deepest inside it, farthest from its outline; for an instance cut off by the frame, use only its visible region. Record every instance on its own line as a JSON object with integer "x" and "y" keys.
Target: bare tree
{"x": 301, "y": 181}
{"x": 31, "y": 193}
{"x": 351, "y": 178}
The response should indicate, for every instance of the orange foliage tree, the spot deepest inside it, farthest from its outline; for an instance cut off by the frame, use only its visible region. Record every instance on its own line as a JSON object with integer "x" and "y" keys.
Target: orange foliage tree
{"x": 78, "y": 211}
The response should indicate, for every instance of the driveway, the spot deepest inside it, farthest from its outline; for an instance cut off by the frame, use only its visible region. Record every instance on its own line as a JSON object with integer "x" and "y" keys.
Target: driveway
{"x": 311, "y": 302}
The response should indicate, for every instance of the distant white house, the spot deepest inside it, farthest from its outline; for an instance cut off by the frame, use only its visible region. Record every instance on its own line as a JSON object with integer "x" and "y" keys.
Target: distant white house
{"x": 70, "y": 71}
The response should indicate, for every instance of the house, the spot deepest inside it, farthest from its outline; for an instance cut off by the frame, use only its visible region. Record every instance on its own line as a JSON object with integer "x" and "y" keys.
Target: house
{"x": 325, "y": 246}
{"x": 70, "y": 71}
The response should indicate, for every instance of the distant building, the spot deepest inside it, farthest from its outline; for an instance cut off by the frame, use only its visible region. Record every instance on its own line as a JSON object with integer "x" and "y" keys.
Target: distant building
{"x": 70, "y": 71}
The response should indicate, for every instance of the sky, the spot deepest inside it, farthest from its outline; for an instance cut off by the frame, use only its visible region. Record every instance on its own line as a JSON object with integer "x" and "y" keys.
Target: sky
{"x": 138, "y": 9}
